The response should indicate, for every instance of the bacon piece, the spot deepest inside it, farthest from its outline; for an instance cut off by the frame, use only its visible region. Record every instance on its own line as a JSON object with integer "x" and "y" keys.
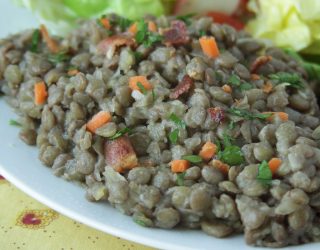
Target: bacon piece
{"x": 109, "y": 45}
{"x": 119, "y": 154}
{"x": 177, "y": 34}
{"x": 216, "y": 114}
{"x": 261, "y": 60}
{"x": 183, "y": 87}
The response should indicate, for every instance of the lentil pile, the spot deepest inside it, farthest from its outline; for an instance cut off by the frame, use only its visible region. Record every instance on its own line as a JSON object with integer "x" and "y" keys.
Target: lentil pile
{"x": 174, "y": 121}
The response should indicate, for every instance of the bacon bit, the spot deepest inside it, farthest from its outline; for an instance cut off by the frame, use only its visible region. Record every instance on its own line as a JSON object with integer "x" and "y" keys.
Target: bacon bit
{"x": 105, "y": 22}
{"x": 51, "y": 43}
{"x": 226, "y": 88}
{"x": 216, "y": 114}
{"x": 255, "y": 77}
{"x": 119, "y": 154}
{"x": 267, "y": 87}
{"x": 224, "y": 168}
{"x": 177, "y": 34}
{"x": 183, "y": 87}
{"x": 72, "y": 72}
{"x": 109, "y": 45}
{"x": 152, "y": 26}
{"x": 261, "y": 60}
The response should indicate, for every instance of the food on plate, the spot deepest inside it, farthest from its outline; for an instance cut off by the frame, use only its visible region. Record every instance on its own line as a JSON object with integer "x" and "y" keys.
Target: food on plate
{"x": 175, "y": 122}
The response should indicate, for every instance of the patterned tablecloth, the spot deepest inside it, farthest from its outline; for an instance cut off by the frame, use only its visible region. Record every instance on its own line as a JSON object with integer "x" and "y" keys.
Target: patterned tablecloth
{"x": 27, "y": 224}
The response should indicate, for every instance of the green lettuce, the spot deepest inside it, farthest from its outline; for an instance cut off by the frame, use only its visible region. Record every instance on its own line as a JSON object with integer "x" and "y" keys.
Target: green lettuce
{"x": 62, "y": 15}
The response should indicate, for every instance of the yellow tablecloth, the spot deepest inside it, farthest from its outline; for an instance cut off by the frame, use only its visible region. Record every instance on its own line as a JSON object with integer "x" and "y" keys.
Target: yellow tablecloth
{"x": 27, "y": 224}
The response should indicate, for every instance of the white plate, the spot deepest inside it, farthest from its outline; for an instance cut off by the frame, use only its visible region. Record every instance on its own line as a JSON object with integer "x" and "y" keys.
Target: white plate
{"x": 20, "y": 165}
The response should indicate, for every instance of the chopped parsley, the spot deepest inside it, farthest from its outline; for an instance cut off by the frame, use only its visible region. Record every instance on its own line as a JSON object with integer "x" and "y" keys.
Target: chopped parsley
{"x": 202, "y": 33}
{"x": 186, "y": 18}
{"x": 247, "y": 114}
{"x": 179, "y": 122}
{"x": 173, "y": 136}
{"x": 180, "y": 178}
{"x": 192, "y": 158}
{"x": 58, "y": 57}
{"x": 124, "y": 23}
{"x": 120, "y": 133}
{"x": 35, "y": 41}
{"x": 141, "y": 88}
{"x": 137, "y": 55}
{"x": 293, "y": 79}
{"x": 264, "y": 173}
{"x": 236, "y": 81}
{"x": 144, "y": 36}
{"x": 14, "y": 123}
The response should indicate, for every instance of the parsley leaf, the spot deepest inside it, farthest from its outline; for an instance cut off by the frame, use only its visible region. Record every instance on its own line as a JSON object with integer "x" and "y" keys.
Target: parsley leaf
{"x": 144, "y": 36}
{"x": 14, "y": 123}
{"x": 245, "y": 86}
{"x": 58, "y": 57}
{"x": 179, "y": 122}
{"x": 141, "y": 88}
{"x": 173, "y": 136}
{"x": 192, "y": 158}
{"x": 202, "y": 33}
{"x": 232, "y": 155}
{"x": 35, "y": 41}
{"x": 120, "y": 133}
{"x": 247, "y": 114}
{"x": 264, "y": 173}
{"x": 180, "y": 178}
{"x": 138, "y": 55}
{"x": 293, "y": 79}
{"x": 124, "y": 23}
{"x": 186, "y": 18}
{"x": 236, "y": 81}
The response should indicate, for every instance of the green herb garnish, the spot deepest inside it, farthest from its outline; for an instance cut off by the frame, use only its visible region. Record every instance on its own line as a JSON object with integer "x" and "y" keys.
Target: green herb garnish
{"x": 14, "y": 123}
{"x": 144, "y": 36}
{"x": 236, "y": 81}
{"x": 154, "y": 96}
{"x": 186, "y": 18}
{"x": 293, "y": 79}
{"x": 232, "y": 155}
{"x": 247, "y": 114}
{"x": 245, "y": 86}
{"x": 141, "y": 88}
{"x": 35, "y": 41}
{"x": 192, "y": 158}
{"x": 264, "y": 173}
{"x": 173, "y": 136}
{"x": 58, "y": 58}
{"x": 179, "y": 122}
{"x": 139, "y": 222}
{"x": 231, "y": 125}
{"x": 202, "y": 33}
{"x": 180, "y": 178}
{"x": 124, "y": 23}
{"x": 120, "y": 133}
{"x": 137, "y": 55}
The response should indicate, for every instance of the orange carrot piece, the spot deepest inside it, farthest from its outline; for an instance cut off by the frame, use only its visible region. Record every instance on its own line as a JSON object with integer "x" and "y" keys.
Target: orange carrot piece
{"x": 133, "y": 29}
{"x": 267, "y": 87}
{"x": 223, "y": 167}
{"x": 72, "y": 72}
{"x": 152, "y": 26}
{"x": 40, "y": 93}
{"x": 226, "y": 88}
{"x": 134, "y": 80}
{"x": 274, "y": 164}
{"x": 98, "y": 120}
{"x": 179, "y": 166}
{"x": 282, "y": 115}
{"x": 105, "y": 22}
{"x": 255, "y": 77}
{"x": 209, "y": 46}
{"x": 208, "y": 150}
{"x": 51, "y": 43}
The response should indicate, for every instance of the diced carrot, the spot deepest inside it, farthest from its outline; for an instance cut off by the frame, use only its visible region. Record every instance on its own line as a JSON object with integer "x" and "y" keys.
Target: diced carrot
{"x": 40, "y": 93}
{"x": 72, "y": 72}
{"x": 98, "y": 120}
{"x": 223, "y": 167}
{"x": 255, "y": 77}
{"x": 274, "y": 164}
{"x": 209, "y": 46}
{"x": 208, "y": 150}
{"x": 51, "y": 43}
{"x": 133, "y": 29}
{"x": 105, "y": 22}
{"x": 152, "y": 26}
{"x": 134, "y": 80}
{"x": 226, "y": 88}
{"x": 267, "y": 87}
{"x": 179, "y": 166}
{"x": 282, "y": 115}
